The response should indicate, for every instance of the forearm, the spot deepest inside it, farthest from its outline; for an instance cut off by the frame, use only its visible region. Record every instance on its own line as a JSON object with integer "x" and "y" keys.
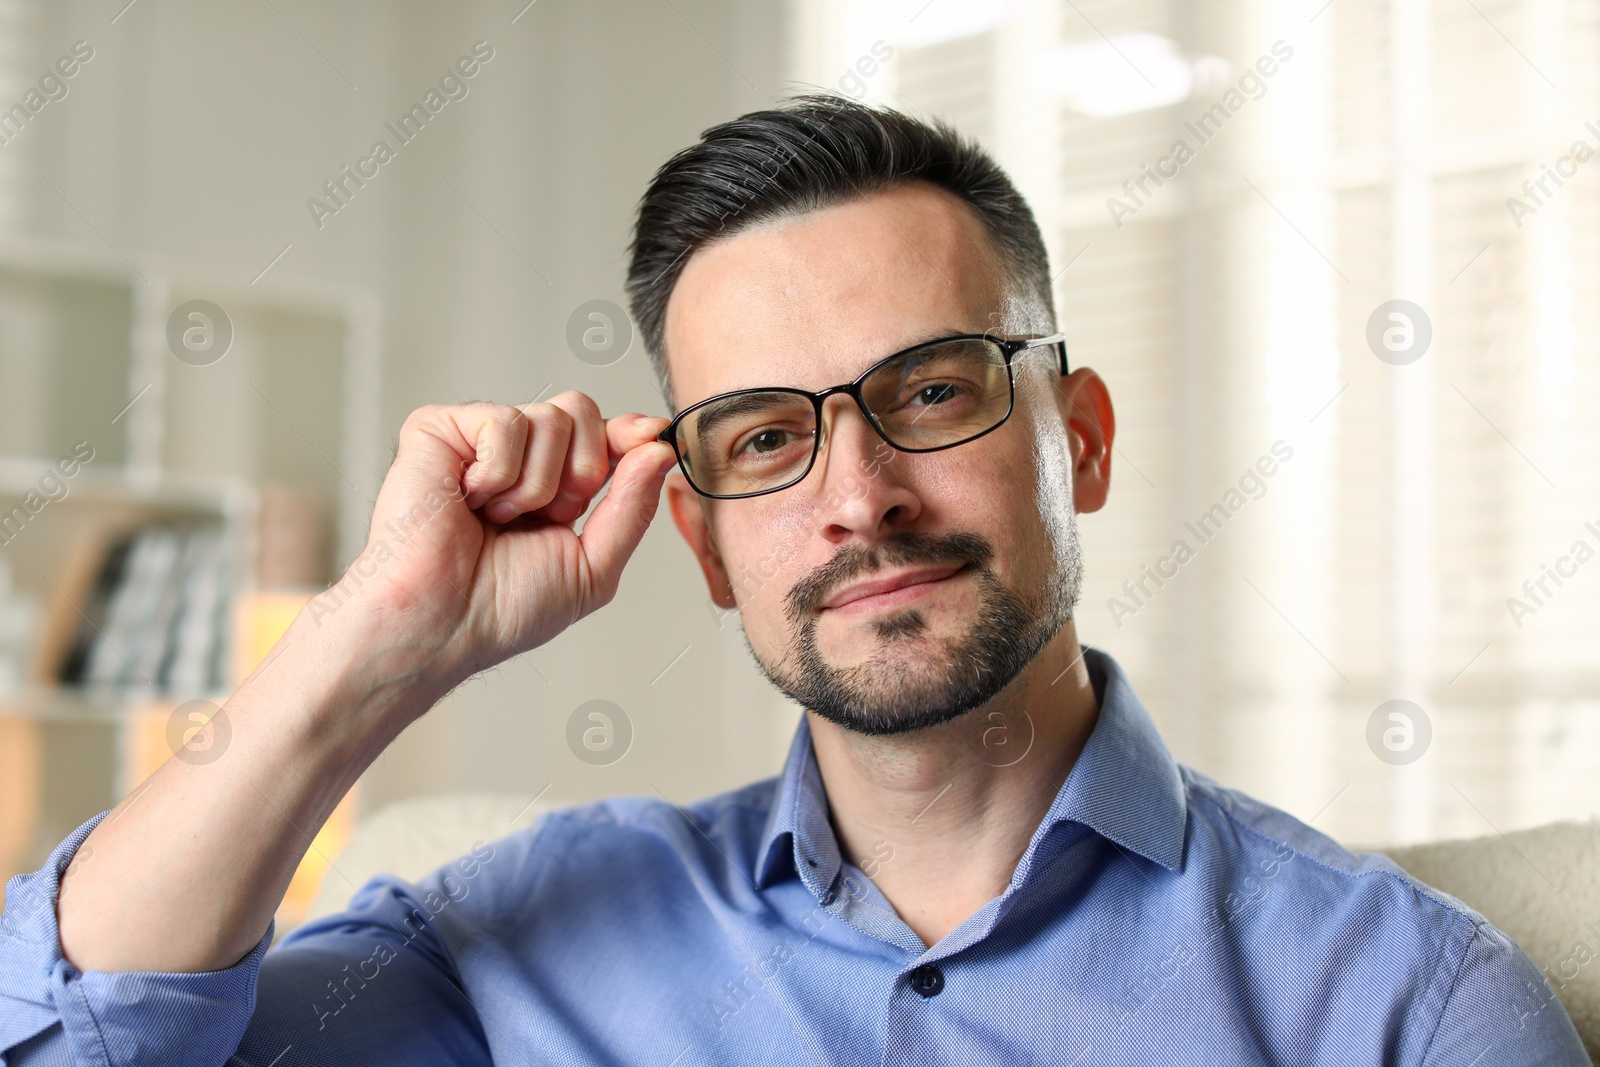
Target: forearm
{"x": 185, "y": 874}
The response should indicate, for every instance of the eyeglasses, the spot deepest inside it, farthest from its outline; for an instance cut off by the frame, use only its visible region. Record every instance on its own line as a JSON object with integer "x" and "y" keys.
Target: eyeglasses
{"x": 929, "y": 397}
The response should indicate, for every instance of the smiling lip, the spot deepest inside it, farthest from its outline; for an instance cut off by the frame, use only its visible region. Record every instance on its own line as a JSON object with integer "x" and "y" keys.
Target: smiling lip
{"x": 889, "y": 590}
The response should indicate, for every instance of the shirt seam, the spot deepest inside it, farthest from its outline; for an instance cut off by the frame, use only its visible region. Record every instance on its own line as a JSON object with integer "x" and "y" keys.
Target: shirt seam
{"x": 1455, "y": 981}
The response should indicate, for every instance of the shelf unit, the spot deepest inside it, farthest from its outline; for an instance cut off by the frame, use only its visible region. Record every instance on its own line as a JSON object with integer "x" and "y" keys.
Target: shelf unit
{"x": 288, "y": 414}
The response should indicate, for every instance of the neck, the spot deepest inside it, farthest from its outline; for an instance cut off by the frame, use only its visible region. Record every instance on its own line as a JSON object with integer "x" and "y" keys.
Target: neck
{"x": 939, "y": 818}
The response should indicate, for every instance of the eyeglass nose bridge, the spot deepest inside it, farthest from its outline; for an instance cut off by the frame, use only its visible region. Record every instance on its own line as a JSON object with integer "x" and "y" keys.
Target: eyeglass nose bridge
{"x": 852, "y": 390}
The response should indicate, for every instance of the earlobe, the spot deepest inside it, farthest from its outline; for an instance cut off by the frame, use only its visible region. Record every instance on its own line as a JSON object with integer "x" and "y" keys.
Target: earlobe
{"x": 688, "y": 514}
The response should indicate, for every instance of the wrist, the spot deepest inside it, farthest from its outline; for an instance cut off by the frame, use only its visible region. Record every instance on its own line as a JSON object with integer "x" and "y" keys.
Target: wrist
{"x": 353, "y": 679}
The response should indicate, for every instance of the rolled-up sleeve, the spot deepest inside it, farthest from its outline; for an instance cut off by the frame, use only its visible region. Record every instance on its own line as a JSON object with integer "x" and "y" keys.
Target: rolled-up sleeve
{"x": 105, "y": 1017}
{"x": 372, "y": 985}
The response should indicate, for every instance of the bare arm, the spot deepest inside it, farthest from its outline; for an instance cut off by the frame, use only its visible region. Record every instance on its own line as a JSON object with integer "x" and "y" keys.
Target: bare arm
{"x": 185, "y": 874}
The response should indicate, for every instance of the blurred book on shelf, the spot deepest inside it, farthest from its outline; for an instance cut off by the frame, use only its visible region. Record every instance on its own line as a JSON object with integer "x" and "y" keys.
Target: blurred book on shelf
{"x": 156, "y": 616}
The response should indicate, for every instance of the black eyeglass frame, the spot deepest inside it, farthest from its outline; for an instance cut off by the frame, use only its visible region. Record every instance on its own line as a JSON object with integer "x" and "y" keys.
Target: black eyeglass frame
{"x": 1010, "y": 347}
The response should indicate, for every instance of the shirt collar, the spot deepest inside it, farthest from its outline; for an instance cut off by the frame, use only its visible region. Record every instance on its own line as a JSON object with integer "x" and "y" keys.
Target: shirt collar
{"x": 1125, "y": 787}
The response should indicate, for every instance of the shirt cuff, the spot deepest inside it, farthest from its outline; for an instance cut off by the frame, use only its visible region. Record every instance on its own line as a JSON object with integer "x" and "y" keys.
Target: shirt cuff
{"x": 112, "y": 1018}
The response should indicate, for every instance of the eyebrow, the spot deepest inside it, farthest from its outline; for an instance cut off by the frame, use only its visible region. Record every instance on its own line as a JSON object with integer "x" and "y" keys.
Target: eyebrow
{"x": 734, "y": 406}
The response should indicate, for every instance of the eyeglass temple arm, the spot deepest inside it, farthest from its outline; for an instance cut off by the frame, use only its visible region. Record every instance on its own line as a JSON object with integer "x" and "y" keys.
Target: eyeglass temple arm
{"x": 1057, "y": 339}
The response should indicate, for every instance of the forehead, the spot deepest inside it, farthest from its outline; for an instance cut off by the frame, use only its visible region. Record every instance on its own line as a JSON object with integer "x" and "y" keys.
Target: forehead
{"x": 811, "y": 300}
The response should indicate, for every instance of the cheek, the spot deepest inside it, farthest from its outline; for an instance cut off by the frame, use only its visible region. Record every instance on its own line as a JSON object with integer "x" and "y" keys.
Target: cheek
{"x": 765, "y": 554}
{"x": 1008, "y": 496}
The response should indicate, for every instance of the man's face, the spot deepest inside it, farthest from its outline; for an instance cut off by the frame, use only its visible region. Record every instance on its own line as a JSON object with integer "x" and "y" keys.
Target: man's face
{"x": 983, "y": 532}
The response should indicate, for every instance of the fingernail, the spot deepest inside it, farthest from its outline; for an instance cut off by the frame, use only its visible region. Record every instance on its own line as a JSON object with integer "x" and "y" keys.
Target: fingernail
{"x": 475, "y": 500}
{"x": 504, "y": 511}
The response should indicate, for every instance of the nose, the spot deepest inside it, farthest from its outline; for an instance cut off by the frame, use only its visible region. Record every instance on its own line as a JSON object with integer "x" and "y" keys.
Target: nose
{"x": 863, "y": 492}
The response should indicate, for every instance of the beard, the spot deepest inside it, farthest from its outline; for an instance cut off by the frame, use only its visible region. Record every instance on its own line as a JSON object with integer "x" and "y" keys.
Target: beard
{"x": 889, "y": 694}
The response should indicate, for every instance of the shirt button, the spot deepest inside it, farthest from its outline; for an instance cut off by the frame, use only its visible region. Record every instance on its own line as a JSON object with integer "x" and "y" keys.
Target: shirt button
{"x": 926, "y": 981}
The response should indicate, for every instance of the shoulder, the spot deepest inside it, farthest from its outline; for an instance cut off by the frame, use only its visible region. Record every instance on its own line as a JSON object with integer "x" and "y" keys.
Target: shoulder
{"x": 1367, "y": 935}
{"x": 1239, "y": 837}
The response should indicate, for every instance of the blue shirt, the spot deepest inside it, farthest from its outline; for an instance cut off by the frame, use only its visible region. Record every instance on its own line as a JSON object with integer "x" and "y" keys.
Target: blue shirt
{"x": 1156, "y": 917}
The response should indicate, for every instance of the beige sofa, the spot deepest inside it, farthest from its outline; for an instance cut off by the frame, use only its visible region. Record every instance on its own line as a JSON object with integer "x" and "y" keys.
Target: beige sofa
{"x": 1541, "y": 886}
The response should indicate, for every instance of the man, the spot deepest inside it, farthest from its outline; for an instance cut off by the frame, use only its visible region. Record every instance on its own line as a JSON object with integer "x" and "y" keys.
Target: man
{"x": 979, "y": 851}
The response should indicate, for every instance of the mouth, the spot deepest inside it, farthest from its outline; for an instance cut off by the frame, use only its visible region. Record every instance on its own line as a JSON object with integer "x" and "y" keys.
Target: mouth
{"x": 889, "y": 591}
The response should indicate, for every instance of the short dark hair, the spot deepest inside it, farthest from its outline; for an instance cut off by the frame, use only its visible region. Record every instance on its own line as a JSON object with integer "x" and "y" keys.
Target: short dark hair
{"x": 815, "y": 151}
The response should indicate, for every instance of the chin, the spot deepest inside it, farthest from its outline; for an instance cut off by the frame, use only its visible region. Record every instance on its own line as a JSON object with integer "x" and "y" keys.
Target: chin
{"x": 906, "y": 685}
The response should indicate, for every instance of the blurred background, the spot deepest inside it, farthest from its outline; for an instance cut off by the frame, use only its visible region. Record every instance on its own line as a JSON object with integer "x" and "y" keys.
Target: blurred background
{"x": 1336, "y": 259}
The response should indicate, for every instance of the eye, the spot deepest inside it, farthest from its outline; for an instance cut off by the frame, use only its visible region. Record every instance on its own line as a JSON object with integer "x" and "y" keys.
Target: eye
{"x": 938, "y": 393}
{"x": 765, "y": 441}
{"x": 768, "y": 441}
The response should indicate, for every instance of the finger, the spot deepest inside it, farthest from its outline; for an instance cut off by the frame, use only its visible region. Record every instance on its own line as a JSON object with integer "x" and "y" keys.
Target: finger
{"x": 587, "y": 464}
{"x": 627, "y": 432}
{"x": 614, "y": 531}
{"x": 495, "y": 435}
{"x": 542, "y": 462}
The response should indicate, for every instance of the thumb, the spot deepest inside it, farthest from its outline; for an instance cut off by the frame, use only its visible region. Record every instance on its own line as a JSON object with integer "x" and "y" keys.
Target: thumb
{"x": 618, "y": 522}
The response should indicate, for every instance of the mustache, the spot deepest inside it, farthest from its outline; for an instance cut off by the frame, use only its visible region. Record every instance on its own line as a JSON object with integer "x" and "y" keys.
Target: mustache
{"x": 902, "y": 548}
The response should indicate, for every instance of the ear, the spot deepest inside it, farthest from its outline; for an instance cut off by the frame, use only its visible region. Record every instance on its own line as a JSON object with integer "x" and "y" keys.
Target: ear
{"x": 1085, "y": 406}
{"x": 689, "y": 515}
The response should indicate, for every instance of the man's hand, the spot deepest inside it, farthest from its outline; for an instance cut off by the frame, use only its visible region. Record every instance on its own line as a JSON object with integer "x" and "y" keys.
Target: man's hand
{"x": 472, "y": 557}
{"x": 187, "y": 871}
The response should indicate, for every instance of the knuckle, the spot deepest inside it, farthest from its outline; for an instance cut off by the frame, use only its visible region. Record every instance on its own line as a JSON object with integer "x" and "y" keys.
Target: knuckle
{"x": 550, "y": 422}
{"x": 420, "y": 416}
{"x": 507, "y": 417}
{"x": 580, "y": 404}
{"x": 546, "y": 414}
{"x": 507, "y": 414}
